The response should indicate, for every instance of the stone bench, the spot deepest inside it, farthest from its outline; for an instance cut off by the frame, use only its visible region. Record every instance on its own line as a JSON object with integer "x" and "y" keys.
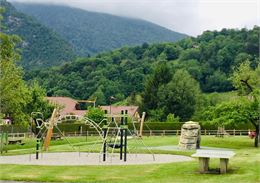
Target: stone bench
{"x": 205, "y": 155}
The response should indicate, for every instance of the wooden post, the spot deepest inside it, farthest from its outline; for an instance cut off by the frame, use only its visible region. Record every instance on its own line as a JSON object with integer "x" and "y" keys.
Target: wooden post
{"x": 142, "y": 125}
{"x": 234, "y": 132}
{"x": 205, "y": 132}
{"x": 87, "y": 135}
{"x": 150, "y": 132}
{"x": 203, "y": 165}
{"x": 50, "y": 129}
{"x": 80, "y": 130}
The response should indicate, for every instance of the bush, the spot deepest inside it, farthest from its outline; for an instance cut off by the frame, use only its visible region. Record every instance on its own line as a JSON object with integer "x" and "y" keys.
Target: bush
{"x": 172, "y": 118}
{"x": 14, "y": 128}
{"x": 210, "y": 126}
{"x": 96, "y": 114}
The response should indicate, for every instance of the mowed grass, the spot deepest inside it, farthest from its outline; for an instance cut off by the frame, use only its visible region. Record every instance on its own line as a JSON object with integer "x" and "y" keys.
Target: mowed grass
{"x": 243, "y": 167}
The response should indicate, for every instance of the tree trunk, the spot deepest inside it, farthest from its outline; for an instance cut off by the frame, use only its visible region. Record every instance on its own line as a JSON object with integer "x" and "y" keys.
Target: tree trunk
{"x": 256, "y": 136}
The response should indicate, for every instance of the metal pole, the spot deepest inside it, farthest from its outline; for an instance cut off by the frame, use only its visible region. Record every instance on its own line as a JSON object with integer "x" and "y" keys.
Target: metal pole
{"x": 37, "y": 140}
{"x": 37, "y": 148}
{"x": 121, "y": 144}
{"x": 105, "y": 145}
{"x": 125, "y": 144}
{"x": 125, "y": 133}
{"x": 121, "y": 136}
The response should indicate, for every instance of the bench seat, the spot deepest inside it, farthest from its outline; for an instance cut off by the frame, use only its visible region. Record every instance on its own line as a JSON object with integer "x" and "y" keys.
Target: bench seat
{"x": 205, "y": 155}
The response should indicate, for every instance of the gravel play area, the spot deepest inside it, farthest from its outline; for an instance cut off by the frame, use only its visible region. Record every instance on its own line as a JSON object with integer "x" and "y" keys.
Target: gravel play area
{"x": 75, "y": 158}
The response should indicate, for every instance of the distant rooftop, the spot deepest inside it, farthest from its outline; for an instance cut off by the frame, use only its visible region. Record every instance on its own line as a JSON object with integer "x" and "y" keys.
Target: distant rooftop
{"x": 115, "y": 110}
{"x": 69, "y": 107}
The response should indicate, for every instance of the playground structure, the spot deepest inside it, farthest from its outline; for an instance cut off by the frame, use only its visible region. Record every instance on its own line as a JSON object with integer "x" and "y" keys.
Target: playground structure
{"x": 190, "y": 135}
{"x": 120, "y": 131}
{"x": 44, "y": 130}
{"x": 113, "y": 135}
{"x": 221, "y": 132}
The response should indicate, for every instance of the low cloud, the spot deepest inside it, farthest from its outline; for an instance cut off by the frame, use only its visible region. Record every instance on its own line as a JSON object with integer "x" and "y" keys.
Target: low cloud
{"x": 187, "y": 16}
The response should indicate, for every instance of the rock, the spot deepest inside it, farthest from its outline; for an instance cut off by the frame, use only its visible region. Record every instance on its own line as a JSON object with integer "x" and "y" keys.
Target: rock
{"x": 190, "y": 135}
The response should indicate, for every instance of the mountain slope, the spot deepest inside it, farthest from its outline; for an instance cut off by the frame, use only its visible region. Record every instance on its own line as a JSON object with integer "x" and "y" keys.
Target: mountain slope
{"x": 41, "y": 47}
{"x": 210, "y": 59}
{"x": 92, "y": 33}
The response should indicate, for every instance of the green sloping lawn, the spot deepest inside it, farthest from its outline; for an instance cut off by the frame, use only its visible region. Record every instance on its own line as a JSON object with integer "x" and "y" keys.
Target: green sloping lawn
{"x": 243, "y": 167}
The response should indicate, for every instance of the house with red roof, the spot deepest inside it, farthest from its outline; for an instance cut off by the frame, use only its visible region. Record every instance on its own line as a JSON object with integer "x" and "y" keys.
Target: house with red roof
{"x": 132, "y": 111}
{"x": 70, "y": 106}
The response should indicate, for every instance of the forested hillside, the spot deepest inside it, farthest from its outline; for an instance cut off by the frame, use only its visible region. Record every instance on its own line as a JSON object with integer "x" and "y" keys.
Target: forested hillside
{"x": 209, "y": 59}
{"x": 92, "y": 33}
{"x": 41, "y": 47}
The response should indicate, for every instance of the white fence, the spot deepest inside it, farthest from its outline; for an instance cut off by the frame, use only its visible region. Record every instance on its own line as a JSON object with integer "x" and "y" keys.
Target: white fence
{"x": 145, "y": 133}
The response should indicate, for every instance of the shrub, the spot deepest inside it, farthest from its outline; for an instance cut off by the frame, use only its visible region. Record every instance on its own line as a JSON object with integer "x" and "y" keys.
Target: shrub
{"x": 172, "y": 118}
{"x": 96, "y": 114}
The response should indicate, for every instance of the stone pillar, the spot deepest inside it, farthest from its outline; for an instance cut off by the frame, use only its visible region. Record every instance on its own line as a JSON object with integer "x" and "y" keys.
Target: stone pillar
{"x": 190, "y": 135}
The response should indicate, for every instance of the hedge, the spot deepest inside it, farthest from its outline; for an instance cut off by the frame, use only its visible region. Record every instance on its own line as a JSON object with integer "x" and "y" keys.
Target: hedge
{"x": 75, "y": 127}
{"x": 177, "y": 126}
{"x": 14, "y": 129}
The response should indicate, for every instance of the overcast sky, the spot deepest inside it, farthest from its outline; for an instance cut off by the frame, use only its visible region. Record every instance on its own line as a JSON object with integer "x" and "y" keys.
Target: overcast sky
{"x": 186, "y": 16}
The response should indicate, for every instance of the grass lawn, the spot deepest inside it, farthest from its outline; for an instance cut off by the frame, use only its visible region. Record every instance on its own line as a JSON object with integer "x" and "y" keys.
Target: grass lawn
{"x": 243, "y": 167}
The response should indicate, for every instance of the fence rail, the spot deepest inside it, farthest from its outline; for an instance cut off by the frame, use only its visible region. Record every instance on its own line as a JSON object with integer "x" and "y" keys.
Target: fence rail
{"x": 203, "y": 132}
{"x": 145, "y": 133}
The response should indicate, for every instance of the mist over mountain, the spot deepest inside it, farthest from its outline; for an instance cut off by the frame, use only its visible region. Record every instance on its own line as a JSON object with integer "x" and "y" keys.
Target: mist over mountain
{"x": 90, "y": 33}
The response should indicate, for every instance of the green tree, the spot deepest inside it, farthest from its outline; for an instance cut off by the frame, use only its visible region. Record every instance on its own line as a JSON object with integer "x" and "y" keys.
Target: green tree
{"x": 189, "y": 54}
{"x": 13, "y": 91}
{"x": 99, "y": 96}
{"x": 38, "y": 102}
{"x": 172, "y": 51}
{"x": 247, "y": 81}
{"x": 244, "y": 109}
{"x": 171, "y": 118}
{"x": 180, "y": 95}
{"x": 17, "y": 101}
{"x": 218, "y": 81}
{"x": 234, "y": 112}
{"x": 209, "y": 58}
{"x": 96, "y": 114}
{"x": 62, "y": 93}
{"x": 156, "y": 115}
{"x": 162, "y": 75}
